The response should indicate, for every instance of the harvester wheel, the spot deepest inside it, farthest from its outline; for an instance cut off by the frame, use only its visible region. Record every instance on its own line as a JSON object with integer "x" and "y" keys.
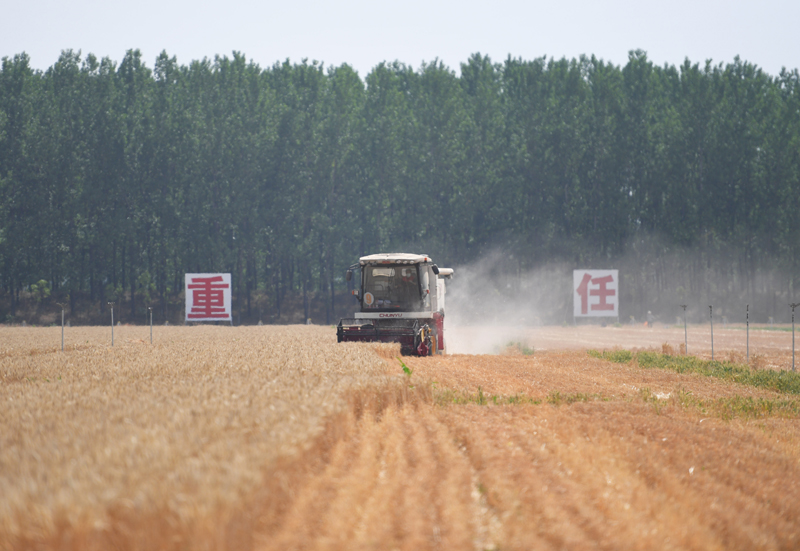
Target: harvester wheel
{"x": 424, "y": 346}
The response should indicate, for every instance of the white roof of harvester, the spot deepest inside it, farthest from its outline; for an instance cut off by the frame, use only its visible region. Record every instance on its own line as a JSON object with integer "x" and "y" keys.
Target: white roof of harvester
{"x": 399, "y": 258}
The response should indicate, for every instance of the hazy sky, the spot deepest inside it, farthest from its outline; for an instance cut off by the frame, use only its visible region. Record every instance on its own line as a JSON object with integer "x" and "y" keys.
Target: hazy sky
{"x": 365, "y": 33}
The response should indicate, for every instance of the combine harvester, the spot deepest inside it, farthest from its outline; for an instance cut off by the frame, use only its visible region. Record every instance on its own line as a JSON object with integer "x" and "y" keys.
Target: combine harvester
{"x": 402, "y": 300}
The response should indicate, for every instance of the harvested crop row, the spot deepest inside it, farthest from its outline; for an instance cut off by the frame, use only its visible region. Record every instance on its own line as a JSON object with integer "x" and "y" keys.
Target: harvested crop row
{"x": 627, "y": 471}
{"x": 606, "y": 475}
{"x": 618, "y": 475}
{"x": 567, "y": 372}
{"x": 396, "y": 482}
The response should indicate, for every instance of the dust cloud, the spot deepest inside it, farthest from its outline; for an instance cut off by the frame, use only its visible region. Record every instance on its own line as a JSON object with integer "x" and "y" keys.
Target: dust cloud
{"x": 492, "y": 303}
{"x": 495, "y": 300}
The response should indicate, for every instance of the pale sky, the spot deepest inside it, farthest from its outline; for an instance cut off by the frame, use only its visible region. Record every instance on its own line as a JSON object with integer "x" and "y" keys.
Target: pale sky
{"x": 363, "y": 33}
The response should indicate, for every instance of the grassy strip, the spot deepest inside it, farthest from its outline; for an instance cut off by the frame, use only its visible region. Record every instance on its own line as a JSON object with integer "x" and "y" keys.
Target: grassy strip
{"x": 740, "y": 406}
{"x": 447, "y": 396}
{"x": 616, "y": 356}
{"x": 734, "y": 407}
{"x": 515, "y": 347}
{"x": 752, "y": 408}
{"x": 727, "y": 408}
{"x": 779, "y": 381}
{"x": 556, "y": 398}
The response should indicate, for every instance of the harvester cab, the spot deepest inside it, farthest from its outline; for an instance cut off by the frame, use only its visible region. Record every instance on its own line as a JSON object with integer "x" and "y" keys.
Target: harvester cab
{"x": 401, "y": 298}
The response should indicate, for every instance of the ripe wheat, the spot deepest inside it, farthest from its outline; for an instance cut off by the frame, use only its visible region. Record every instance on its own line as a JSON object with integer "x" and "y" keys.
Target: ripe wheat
{"x": 180, "y": 430}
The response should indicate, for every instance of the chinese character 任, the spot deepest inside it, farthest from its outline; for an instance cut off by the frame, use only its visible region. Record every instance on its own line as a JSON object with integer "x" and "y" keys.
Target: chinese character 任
{"x": 583, "y": 291}
{"x": 602, "y": 292}
{"x": 208, "y": 299}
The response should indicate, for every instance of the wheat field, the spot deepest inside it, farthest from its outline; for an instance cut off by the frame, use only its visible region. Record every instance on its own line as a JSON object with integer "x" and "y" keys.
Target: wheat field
{"x": 138, "y": 443}
{"x": 279, "y": 438}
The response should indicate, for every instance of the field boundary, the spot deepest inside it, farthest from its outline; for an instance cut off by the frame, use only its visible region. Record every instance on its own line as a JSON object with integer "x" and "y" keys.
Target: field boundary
{"x": 783, "y": 381}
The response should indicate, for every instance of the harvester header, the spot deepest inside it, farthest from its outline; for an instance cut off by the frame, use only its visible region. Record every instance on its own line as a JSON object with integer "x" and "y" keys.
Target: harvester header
{"x": 401, "y": 298}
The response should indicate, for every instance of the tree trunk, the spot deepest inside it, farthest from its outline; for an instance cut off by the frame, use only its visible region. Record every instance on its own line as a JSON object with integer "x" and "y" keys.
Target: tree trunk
{"x": 278, "y": 296}
{"x": 123, "y": 267}
{"x": 13, "y": 297}
{"x": 133, "y": 286}
{"x": 278, "y": 274}
{"x": 324, "y": 290}
{"x": 305, "y": 300}
{"x": 91, "y": 274}
{"x": 333, "y": 297}
{"x": 177, "y": 288}
{"x": 102, "y": 295}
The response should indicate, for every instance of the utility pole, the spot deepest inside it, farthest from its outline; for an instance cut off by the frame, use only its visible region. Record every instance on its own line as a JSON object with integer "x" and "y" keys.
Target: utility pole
{"x": 793, "y": 305}
{"x": 748, "y": 334}
{"x": 711, "y": 317}
{"x": 62, "y": 325}
{"x": 685, "y": 335}
{"x": 150, "y": 308}
{"x": 112, "y": 322}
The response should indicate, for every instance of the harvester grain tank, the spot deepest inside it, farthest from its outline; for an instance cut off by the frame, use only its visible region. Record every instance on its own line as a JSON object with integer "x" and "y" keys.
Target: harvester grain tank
{"x": 401, "y": 298}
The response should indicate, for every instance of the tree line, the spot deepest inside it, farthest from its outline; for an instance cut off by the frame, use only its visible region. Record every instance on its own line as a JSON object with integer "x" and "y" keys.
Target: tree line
{"x": 116, "y": 179}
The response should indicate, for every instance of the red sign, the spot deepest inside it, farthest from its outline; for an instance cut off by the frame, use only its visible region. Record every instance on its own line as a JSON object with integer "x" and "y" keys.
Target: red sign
{"x": 595, "y": 293}
{"x": 208, "y": 297}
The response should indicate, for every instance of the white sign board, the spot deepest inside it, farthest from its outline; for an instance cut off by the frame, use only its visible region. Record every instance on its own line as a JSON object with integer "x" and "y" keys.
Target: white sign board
{"x": 595, "y": 293}
{"x": 208, "y": 297}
